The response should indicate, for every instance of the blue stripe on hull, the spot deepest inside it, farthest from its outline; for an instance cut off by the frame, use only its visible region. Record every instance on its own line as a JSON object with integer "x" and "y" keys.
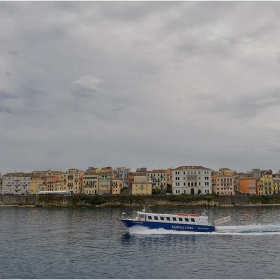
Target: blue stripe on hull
{"x": 170, "y": 226}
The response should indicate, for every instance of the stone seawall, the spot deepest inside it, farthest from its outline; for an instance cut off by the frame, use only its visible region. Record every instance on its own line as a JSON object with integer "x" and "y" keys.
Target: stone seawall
{"x": 137, "y": 201}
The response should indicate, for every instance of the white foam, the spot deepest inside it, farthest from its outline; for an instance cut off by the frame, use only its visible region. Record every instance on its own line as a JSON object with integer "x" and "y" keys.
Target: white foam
{"x": 253, "y": 229}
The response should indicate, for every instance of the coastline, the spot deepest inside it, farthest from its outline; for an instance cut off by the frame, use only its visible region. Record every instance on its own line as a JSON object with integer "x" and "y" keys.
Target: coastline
{"x": 138, "y": 201}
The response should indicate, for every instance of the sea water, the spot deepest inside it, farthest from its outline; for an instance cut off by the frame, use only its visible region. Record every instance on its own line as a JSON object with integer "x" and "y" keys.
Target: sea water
{"x": 93, "y": 243}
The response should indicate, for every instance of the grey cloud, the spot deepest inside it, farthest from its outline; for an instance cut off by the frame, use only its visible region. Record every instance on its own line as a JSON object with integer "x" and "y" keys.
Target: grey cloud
{"x": 5, "y": 95}
{"x": 3, "y": 109}
{"x": 276, "y": 150}
{"x": 81, "y": 66}
{"x": 103, "y": 105}
{"x": 14, "y": 53}
{"x": 244, "y": 106}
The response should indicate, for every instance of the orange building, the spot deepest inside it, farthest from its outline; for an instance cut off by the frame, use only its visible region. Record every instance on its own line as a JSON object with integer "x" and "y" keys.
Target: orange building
{"x": 248, "y": 185}
{"x": 50, "y": 181}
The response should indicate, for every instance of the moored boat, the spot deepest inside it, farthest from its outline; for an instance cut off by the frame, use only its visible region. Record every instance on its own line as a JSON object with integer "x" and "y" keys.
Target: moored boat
{"x": 180, "y": 221}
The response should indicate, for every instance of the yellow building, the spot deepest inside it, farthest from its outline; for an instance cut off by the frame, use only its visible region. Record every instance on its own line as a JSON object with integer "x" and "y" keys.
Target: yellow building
{"x": 268, "y": 183}
{"x": 90, "y": 184}
{"x": 36, "y": 185}
{"x": 276, "y": 180}
{"x": 117, "y": 186}
{"x": 223, "y": 184}
{"x": 260, "y": 190}
{"x": 58, "y": 186}
{"x": 142, "y": 188}
{"x": 72, "y": 180}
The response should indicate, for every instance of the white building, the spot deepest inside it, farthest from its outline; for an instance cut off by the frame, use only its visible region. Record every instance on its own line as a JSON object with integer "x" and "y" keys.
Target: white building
{"x": 16, "y": 183}
{"x": 191, "y": 180}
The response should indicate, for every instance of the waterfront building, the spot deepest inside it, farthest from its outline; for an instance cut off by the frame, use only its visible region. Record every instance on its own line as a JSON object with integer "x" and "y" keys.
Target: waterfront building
{"x": 236, "y": 178}
{"x": 105, "y": 177}
{"x": 41, "y": 173}
{"x": 248, "y": 185}
{"x": 142, "y": 188}
{"x": 58, "y": 186}
{"x": 123, "y": 174}
{"x": 90, "y": 183}
{"x": 169, "y": 180}
{"x": 72, "y": 180}
{"x": 276, "y": 180}
{"x": 36, "y": 184}
{"x": 191, "y": 180}
{"x": 223, "y": 184}
{"x": 16, "y": 183}
{"x": 158, "y": 178}
{"x": 131, "y": 179}
{"x": 226, "y": 171}
{"x": 268, "y": 183}
{"x": 59, "y": 175}
{"x": 140, "y": 175}
{"x": 92, "y": 170}
{"x": 255, "y": 173}
{"x": 117, "y": 186}
{"x": 141, "y": 170}
{"x": 260, "y": 190}
{"x": 50, "y": 181}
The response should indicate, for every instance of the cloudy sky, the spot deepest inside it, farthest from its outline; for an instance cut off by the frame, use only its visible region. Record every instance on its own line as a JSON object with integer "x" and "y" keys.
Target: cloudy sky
{"x": 154, "y": 84}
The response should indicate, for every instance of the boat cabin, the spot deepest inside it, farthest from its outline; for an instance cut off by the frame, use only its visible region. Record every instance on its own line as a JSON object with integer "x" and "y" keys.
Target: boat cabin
{"x": 169, "y": 218}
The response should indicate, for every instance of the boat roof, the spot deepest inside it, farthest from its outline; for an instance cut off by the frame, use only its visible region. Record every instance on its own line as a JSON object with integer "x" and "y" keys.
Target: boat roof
{"x": 177, "y": 215}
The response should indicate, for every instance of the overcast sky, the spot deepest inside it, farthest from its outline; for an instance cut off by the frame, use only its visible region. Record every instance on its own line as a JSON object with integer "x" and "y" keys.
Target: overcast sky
{"x": 154, "y": 84}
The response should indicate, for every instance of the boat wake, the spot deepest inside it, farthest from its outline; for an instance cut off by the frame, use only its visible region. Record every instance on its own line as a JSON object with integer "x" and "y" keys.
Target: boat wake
{"x": 253, "y": 229}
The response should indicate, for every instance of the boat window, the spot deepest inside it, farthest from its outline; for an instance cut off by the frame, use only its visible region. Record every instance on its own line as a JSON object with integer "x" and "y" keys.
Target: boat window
{"x": 192, "y": 220}
{"x": 174, "y": 219}
{"x": 168, "y": 218}
{"x": 149, "y": 217}
{"x": 156, "y": 217}
{"x": 186, "y": 219}
{"x": 162, "y": 218}
{"x": 180, "y": 219}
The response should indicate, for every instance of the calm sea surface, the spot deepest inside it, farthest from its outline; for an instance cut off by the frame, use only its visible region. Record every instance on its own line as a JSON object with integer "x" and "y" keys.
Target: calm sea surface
{"x": 92, "y": 243}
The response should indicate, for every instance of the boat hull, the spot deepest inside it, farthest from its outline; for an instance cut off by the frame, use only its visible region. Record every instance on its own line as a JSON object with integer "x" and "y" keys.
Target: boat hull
{"x": 169, "y": 226}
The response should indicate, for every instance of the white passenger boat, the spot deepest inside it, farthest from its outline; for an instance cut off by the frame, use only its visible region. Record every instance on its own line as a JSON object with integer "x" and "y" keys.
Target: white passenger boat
{"x": 180, "y": 221}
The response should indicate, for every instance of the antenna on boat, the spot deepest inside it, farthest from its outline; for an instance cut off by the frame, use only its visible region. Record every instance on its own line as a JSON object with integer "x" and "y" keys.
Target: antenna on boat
{"x": 146, "y": 208}
{"x": 204, "y": 213}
